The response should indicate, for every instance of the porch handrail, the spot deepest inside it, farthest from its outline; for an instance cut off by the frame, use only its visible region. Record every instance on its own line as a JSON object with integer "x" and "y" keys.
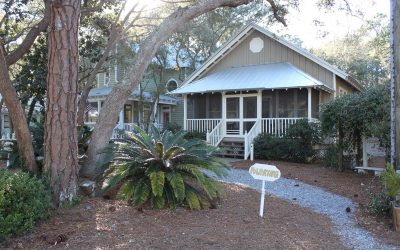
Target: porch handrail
{"x": 250, "y": 136}
{"x": 216, "y": 135}
{"x": 201, "y": 125}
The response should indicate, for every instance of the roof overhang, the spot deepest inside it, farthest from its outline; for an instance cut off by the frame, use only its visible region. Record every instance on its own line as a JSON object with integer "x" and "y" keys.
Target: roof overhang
{"x": 256, "y": 77}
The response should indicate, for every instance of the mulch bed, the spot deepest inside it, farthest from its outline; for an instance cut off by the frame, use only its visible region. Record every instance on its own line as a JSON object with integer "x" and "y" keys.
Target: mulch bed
{"x": 105, "y": 224}
{"x": 357, "y": 187}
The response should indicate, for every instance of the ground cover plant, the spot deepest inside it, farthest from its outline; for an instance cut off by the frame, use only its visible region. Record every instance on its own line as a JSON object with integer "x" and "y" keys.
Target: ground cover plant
{"x": 24, "y": 200}
{"x": 163, "y": 170}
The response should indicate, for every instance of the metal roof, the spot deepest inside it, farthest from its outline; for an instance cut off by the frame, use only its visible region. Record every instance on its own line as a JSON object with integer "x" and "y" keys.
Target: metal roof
{"x": 103, "y": 92}
{"x": 265, "y": 76}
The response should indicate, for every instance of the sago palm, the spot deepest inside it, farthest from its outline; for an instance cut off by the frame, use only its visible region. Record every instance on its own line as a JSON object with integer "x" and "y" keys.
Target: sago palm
{"x": 164, "y": 169}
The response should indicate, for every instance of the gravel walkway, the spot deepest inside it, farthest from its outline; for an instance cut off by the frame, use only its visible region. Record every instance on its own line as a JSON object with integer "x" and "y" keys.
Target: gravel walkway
{"x": 320, "y": 201}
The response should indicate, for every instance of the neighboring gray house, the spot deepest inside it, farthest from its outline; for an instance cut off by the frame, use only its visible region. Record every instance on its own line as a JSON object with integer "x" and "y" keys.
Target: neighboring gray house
{"x": 257, "y": 83}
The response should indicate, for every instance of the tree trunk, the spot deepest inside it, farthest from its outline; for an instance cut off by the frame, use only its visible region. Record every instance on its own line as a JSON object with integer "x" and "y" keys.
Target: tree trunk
{"x": 396, "y": 80}
{"x": 82, "y": 104}
{"x": 120, "y": 93}
{"x": 61, "y": 144}
{"x": 31, "y": 110}
{"x": 17, "y": 116}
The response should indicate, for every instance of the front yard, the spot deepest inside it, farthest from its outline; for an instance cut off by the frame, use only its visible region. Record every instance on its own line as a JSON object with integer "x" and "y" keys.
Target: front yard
{"x": 97, "y": 223}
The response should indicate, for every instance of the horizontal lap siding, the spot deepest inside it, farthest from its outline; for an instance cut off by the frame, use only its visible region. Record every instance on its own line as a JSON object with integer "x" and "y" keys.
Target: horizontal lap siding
{"x": 177, "y": 112}
{"x": 273, "y": 52}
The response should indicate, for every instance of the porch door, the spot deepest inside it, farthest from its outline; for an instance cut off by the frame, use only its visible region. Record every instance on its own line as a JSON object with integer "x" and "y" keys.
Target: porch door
{"x": 241, "y": 114}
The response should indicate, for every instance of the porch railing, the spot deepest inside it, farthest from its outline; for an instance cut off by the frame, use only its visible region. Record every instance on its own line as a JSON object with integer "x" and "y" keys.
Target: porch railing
{"x": 216, "y": 135}
{"x": 201, "y": 125}
{"x": 277, "y": 126}
{"x": 249, "y": 138}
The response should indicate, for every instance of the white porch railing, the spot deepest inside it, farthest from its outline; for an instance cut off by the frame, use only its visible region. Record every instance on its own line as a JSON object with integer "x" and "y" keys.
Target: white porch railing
{"x": 216, "y": 135}
{"x": 277, "y": 126}
{"x": 201, "y": 125}
{"x": 249, "y": 137}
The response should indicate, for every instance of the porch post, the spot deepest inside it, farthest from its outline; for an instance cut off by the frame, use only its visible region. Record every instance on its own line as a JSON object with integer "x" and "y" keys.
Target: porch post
{"x": 277, "y": 103}
{"x": 334, "y": 85}
{"x": 223, "y": 113}
{"x": 121, "y": 118}
{"x": 259, "y": 105}
{"x": 98, "y": 106}
{"x": 309, "y": 104}
{"x": 184, "y": 112}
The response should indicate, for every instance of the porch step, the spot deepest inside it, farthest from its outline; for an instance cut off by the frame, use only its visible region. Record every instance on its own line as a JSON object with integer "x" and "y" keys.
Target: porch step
{"x": 231, "y": 148}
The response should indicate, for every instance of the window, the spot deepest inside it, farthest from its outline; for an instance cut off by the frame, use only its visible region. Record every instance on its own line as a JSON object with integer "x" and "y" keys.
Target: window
{"x": 172, "y": 85}
{"x": 342, "y": 91}
{"x": 128, "y": 113}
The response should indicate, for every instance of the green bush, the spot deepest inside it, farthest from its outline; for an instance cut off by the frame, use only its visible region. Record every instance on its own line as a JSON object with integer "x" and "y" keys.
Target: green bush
{"x": 173, "y": 127}
{"x": 24, "y": 200}
{"x": 391, "y": 183}
{"x": 379, "y": 204}
{"x": 331, "y": 158}
{"x": 163, "y": 169}
{"x": 195, "y": 135}
{"x": 296, "y": 146}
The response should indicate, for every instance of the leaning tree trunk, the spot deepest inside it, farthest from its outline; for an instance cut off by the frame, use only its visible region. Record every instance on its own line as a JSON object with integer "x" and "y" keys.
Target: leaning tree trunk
{"x": 61, "y": 144}
{"x": 17, "y": 115}
{"x": 120, "y": 93}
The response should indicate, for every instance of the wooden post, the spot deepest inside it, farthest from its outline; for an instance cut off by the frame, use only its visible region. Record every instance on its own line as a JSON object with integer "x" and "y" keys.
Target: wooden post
{"x": 364, "y": 150}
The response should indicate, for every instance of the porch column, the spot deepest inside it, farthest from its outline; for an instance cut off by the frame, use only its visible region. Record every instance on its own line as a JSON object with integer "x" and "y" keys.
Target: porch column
{"x": 295, "y": 103}
{"x": 121, "y": 118}
{"x": 184, "y": 112}
{"x": 223, "y": 115}
{"x": 98, "y": 106}
{"x": 309, "y": 103}
{"x": 259, "y": 105}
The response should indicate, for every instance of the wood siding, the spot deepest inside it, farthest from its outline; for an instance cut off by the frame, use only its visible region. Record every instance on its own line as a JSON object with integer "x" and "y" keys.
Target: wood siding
{"x": 273, "y": 52}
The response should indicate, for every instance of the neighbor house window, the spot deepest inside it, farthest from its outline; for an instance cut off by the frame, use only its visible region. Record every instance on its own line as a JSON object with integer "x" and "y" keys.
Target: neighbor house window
{"x": 171, "y": 85}
{"x": 342, "y": 91}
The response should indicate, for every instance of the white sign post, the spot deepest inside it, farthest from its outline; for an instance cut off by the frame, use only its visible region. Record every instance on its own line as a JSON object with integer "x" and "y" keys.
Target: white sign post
{"x": 265, "y": 173}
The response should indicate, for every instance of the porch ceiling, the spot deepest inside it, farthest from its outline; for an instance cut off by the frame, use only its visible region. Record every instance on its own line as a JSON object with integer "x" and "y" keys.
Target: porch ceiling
{"x": 255, "y": 77}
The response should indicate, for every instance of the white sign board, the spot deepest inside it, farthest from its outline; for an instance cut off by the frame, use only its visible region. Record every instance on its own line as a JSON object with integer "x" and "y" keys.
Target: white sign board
{"x": 265, "y": 173}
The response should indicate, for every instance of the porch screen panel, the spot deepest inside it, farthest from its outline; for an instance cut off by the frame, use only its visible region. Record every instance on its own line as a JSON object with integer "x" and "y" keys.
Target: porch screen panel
{"x": 250, "y": 107}
{"x": 314, "y": 103}
{"x": 268, "y": 104}
{"x": 302, "y": 99}
{"x": 232, "y": 107}
{"x": 215, "y": 105}
{"x": 286, "y": 103}
{"x": 196, "y": 106}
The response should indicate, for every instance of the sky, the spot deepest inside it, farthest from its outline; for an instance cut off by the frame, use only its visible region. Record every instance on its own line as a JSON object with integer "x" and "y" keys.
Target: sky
{"x": 338, "y": 23}
{"x": 301, "y": 21}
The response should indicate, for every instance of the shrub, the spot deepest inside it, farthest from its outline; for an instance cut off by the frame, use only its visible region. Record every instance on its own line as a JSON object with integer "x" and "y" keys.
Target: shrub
{"x": 379, "y": 204}
{"x": 296, "y": 146}
{"x": 195, "y": 135}
{"x": 391, "y": 182}
{"x": 163, "y": 170}
{"x": 24, "y": 200}
{"x": 173, "y": 127}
